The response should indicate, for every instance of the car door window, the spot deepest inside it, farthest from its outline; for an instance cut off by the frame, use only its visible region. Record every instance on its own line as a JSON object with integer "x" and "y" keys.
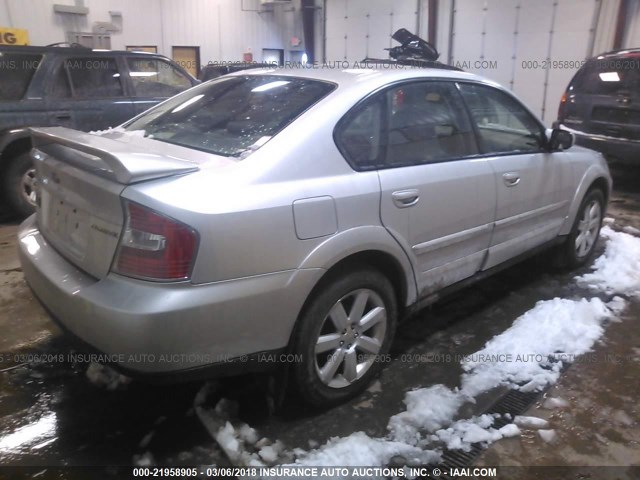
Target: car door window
{"x": 426, "y": 124}
{"x": 152, "y": 77}
{"x": 17, "y": 70}
{"x": 94, "y": 77}
{"x": 503, "y": 124}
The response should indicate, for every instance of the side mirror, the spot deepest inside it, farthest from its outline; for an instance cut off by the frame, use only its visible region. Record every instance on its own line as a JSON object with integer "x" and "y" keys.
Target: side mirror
{"x": 560, "y": 140}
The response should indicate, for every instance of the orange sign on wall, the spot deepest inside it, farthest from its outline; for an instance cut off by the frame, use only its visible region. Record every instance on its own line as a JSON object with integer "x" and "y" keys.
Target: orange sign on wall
{"x": 14, "y": 36}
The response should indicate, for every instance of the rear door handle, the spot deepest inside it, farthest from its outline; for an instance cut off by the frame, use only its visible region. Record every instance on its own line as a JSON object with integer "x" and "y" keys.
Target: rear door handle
{"x": 405, "y": 198}
{"x": 63, "y": 116}
{"x": 511, "y": 179}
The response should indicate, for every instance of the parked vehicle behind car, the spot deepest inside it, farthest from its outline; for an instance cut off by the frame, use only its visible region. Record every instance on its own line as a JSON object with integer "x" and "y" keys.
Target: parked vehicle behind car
{"x": 601, "y": 105}
{"x": 215, "y": 70}
{"x": 300, "y": 213}
{"x": 74, "y": 87}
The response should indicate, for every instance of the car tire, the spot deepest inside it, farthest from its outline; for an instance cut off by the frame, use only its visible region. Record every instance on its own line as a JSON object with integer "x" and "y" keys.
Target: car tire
{"x": 581, "y": 242}
{"x": 343, "y": 336}
{"x": 18, "y": 185}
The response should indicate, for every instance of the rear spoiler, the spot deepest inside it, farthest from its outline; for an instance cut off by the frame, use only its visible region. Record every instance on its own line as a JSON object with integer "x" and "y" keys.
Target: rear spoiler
{"x": 125, "y": 163}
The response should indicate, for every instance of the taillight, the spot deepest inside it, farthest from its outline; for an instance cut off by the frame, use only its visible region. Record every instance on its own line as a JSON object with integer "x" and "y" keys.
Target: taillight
{"x": 562, "y": 107}
{"x": 155, "y": 247}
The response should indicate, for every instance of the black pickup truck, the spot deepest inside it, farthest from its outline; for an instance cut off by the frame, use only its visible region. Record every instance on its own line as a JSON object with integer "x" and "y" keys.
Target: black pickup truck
{"x": 74, "y": 87}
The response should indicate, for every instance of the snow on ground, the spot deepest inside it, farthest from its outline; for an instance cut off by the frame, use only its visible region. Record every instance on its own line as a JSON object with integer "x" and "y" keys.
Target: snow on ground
{"x": 618, "y": 269}
{"x": 359, "y": 449}
{"x": 631, "y": 230}
{"x": 547, "y": 435}
{"x": 527, "y": 356}
{"x": 427, "y": 409}
{"x": 104, "y": 376}
{"x": 530, "y": 422}
{"x": 555, "y": 402}
{"x": 462, "y": 434}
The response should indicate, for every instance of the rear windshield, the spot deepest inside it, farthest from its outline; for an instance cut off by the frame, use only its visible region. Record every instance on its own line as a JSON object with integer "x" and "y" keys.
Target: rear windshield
{"x": 608, "y": 76}
{"x": 232, "y": 116}
{"x": 16, "y": 71}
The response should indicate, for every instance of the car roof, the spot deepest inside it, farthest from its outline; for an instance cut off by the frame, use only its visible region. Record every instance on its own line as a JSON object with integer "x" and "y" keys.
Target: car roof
{"x": 353, "y": 77}
{"x": 634, "y": 52}
{"x": 72, "y": 50}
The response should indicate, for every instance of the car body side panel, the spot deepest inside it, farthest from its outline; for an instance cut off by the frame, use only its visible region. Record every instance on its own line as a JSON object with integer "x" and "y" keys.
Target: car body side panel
{"x": 530, "y": 212}
{"x": 189, "y": 325}
{"x": 588, "y": 166}
{"x": 448, "y": 230}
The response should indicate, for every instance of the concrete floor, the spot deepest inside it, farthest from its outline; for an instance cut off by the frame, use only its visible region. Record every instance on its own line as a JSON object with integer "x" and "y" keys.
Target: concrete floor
{"x": 90, "y": 426}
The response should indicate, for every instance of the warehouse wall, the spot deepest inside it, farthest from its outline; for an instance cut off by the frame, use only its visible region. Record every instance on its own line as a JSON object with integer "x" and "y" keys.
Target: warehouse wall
{"x": 220, "y": 27}
{"x": 509, "y": 41}
{"x": 45, "y": 26}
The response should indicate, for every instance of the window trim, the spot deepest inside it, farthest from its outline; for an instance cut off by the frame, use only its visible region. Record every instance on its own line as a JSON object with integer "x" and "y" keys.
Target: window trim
{"x": 542, "y": 149}
{"x": 382, "y": 90}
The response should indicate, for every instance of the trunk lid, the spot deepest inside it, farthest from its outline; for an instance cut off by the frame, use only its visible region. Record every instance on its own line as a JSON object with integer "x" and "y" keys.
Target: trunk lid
{"x": 80, "y": 179}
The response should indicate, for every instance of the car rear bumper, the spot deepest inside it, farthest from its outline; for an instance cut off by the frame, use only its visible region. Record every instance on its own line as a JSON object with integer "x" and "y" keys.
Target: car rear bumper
{"x": 627, "y": 151}
{"x": 154, "y": 328}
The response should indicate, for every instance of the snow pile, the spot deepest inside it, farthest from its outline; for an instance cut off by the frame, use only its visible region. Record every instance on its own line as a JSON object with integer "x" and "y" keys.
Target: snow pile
{"x": 463, "y": 433}
{"x": 359, "y": 449}
{"x": 106, "y": 377}
{"x": 525, "y": 356}
{"x": 555, "y": 402}
{"x": 618, "y": 269}
{"x": 548, "y": 436}
{"x": 240, "y": 442}
{"x": 631, "y": 230}
{"x": 428, "y": 409}
{"x": 530, "y": 422}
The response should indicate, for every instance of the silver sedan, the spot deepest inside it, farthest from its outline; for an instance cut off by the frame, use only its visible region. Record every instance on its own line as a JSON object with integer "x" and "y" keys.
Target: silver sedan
{"x": 289, "y": 219}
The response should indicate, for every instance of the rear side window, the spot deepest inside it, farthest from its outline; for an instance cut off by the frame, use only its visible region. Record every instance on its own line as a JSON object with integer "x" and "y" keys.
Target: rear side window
{"x": 232, "y": 116}
{"x": 16, "y": 72}
{"x": 156, "y": 78}
{"x": 94, "y": 77}
{"x": 412, "y": 124}
{"x": 608, "y": 76}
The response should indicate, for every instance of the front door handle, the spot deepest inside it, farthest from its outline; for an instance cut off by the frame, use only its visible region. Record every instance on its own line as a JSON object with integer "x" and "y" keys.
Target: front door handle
{"x": 511, "y": 179}
{"x": 405, "y": 198}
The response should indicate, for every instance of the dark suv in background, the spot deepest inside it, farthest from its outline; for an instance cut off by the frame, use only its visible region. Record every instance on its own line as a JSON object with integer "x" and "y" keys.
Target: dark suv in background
{"x": 601, "y": 105}
{"x": 74, "y": 87}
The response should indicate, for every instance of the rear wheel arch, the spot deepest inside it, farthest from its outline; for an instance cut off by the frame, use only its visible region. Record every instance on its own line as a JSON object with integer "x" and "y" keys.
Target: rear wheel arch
{"x": 378, "y": 260}
{"x": 383, "y": 262}
{"x": 14, "y": 147}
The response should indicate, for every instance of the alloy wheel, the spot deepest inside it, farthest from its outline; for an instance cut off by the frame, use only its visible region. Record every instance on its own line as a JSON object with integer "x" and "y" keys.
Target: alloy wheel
{"x": 351, "y": 336}
{"x": 588, "y": 228}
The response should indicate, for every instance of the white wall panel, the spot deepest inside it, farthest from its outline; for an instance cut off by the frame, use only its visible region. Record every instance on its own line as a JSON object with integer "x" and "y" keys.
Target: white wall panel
{"x": 632, "y": 34}
{"x": 506, "y": 34}
{"x": 367, "y": 25}
{"x": 221, "y": 28}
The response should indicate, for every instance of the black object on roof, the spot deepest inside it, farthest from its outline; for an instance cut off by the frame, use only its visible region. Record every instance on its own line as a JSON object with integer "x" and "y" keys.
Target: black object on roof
{"x": 413, "y": 51}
